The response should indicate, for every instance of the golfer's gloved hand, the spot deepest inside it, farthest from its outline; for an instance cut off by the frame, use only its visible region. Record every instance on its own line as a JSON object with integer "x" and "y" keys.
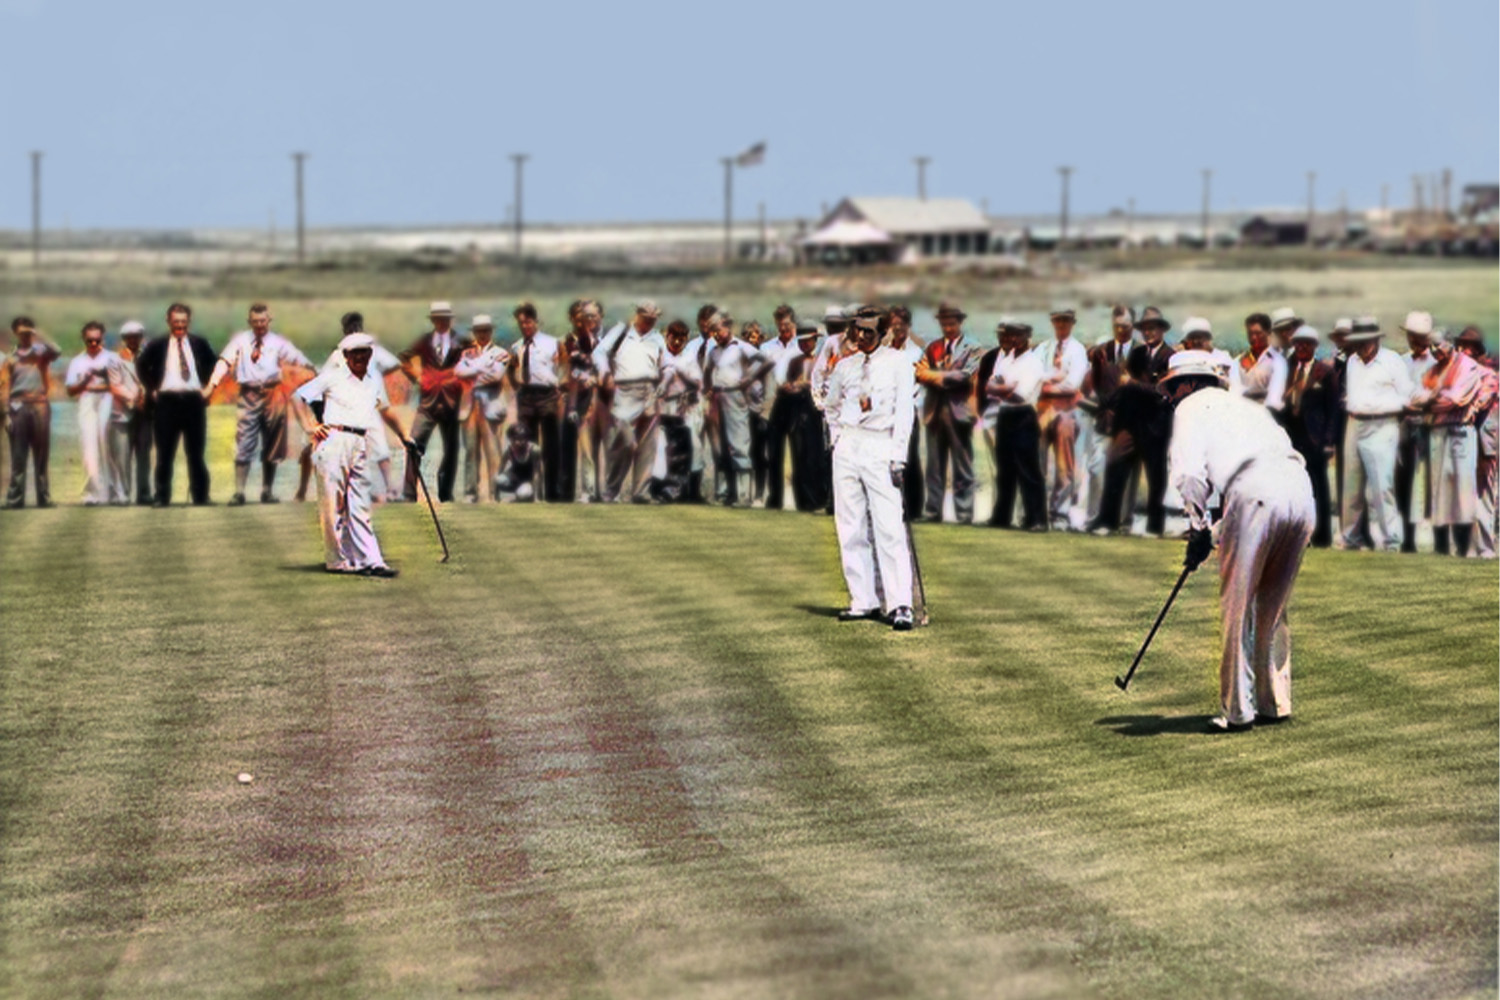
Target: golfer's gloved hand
{"x": 898, "y": 474}
{"x": 1200, "y": 543}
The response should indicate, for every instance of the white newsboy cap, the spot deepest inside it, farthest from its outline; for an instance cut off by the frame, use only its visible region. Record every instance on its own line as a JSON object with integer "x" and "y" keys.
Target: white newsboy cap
{"x": 440, "y": 308}
{"x": 1418, "y": 323}
{"x": 1305, "y": 332}
{"x": 131, "y": 327}
{"x": 1185, "y": 363}
{"x": 1196, "y": 324}
{"x": 1284, "y": 317}
{"x": 357, "y": 342}
{"x": 482, "y": 322}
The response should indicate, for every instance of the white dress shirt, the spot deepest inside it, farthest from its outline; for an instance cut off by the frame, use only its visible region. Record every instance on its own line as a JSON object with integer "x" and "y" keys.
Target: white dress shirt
{"x": 638, "y": 359}
{"x": 873, "y": 392}
{"x": 100, "y": 364}
{"x": 382, "y": 361}
{"x": 1022, "y": 371}
{"x": 538, "y": 367}
{"x": 487, "y": 368}
{"x": 178, "y": 351}
{"x": 1066, "y": 359}
{"x": 681, "y": 381}
{"x": 1263, "y": 379}
{"x": 912, "y": 353}
{"x": 733, "y": 363}
{"x": 1417, "y": 367}
{"x": 347, "y": 401}
{"x": 239, "y": 356}
{"x": 1381, "y": 388}
{"x": 1215, "y": 434}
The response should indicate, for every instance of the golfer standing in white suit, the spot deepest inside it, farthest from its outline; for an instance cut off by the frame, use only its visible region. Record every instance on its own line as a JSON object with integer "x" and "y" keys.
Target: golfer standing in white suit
{"x": 869, "y": 409}
{"x": 1231, "y": 444}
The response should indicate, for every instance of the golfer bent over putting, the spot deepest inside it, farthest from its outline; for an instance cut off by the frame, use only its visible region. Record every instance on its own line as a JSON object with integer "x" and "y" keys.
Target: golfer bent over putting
{"x": 869, "y": 409}
{"x": 1234, "y": 445}
{"x": 354, "y": 400}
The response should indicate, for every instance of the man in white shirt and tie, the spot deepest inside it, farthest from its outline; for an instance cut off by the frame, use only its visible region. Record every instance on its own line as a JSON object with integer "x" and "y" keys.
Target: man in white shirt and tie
{"x": 87, "y": 381}
{"x": 174, "y": 369}
{"x": 537, "y": 368}
{"x": 255, "y": 357}
{"x": 1377, "y": 390}
{"x": 354, "y": 402}
{"x": 869, "y": 407}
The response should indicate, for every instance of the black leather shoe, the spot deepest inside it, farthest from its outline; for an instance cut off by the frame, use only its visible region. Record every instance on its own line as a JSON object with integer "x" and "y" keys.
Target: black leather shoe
{"x": 238, "y": 500}
{"x": 1271, "y": 720}
{"x": 901, "y": 620}
{"x": 850, "y": 615}
{"x": 269, "y": 497}
{"x": 384, "y": 572}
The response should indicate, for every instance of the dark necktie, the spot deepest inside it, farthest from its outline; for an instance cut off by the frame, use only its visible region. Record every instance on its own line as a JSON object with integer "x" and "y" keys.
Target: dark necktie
{"x": 182, "y": 364}
{"x": 255, "y": 351}
{"x": 526, "y": 364}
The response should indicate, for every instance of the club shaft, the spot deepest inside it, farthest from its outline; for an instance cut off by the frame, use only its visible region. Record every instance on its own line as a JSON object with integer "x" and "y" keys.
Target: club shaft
{"x": 1159, "y": 619}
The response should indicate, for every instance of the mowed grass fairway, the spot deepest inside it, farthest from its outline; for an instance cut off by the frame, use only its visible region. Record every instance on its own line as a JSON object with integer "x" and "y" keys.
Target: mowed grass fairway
{"x": 626, "y": 752}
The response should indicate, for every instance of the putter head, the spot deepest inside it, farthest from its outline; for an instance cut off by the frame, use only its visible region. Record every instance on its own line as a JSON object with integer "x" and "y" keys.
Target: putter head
{"x": 1122, "y": 684}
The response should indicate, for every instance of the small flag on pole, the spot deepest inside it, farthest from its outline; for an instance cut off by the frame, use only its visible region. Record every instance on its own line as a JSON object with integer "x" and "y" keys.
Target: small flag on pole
{"x": 751, "y": 157}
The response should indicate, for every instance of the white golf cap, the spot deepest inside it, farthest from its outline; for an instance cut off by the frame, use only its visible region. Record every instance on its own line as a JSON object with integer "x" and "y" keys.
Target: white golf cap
{"x": 1196, "y": 324}
{"x": 357, "y": 341}
{"x": 1305, "y": 332}
{"x": 1418, "y": 323}
{"x": 440, "y": 308}
{"x": 482, "y": 322}
{"x": 131, "y": 327}
{"x": 1185, "y": 363}
{"x": 1285, "y": 317}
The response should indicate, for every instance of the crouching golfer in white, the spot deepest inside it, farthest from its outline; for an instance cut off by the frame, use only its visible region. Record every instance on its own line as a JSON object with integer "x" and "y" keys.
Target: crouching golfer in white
{"x": 354, "y": 400}
{"x": 1227, "y": 443}
{"x": 869, "y": 409}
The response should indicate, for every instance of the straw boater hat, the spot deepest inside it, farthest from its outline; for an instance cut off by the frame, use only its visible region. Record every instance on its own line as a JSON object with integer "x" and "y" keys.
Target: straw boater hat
{"x": 1305, "y": 332}
{"x": 1066, "y": 314}
{"x": 946, "y": 311}
{"x": 1285, "y": 318}
{"x": 1364, "y": 328}
{"x": 1418, "y": 324}
{"x": 440, "y": 309}
{"x": 1013, "y": 325}
{"x": 1151, "y": 316}
{"x": 1185, "y": 363}
{"x": 482, "y": 322}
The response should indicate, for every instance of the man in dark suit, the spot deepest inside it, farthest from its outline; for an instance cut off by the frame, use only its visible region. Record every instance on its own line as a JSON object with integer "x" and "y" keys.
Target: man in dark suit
{"x": 429, "y": 362}
{"x": 1312, "y": 418}
{"x": 175, "y": 370}
{"x": 1154, "y": 326}
{"x": 947, "y": 370}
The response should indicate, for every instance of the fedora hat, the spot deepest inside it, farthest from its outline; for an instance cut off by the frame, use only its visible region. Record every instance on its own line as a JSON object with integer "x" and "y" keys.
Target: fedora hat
{"x": 1284, "y": 318}
{"x": 1151, "y": 316}
{"x": 440, "y": 309}
{"x": 1066, "y": 314}
{"x": 946, "y": 311}
{"x": 1471, "y": 335}
{"x": 1418, "y": 323}
{"x": 1364, "y": 328}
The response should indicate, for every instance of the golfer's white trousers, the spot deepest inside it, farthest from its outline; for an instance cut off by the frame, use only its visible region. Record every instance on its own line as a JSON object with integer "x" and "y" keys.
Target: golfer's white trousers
{"x": 864, "y": 497}
{"x": 94, "y": 409}
{"x": 1268, "y": 520}
{"x": 349, "y": 542}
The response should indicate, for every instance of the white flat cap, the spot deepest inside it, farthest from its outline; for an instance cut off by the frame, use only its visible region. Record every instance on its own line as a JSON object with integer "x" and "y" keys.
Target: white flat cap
{"x": 1196, "y": 324}
{"x": 357, "y": 341}
{"x": 1418, "y": 323}
{"x": 1305, "y": 332}
{"x": 131, "y": 327}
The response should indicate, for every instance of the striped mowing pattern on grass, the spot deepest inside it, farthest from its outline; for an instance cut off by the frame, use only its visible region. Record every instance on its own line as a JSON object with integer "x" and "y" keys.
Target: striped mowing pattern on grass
{"x": 627, "y": 752}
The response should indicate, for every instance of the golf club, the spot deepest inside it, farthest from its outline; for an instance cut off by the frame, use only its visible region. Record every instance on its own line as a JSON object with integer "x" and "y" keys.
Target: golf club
{"x": 414, "y": 456}
{"x": 1123, "y": 683}
{"x": 920, "y": 591}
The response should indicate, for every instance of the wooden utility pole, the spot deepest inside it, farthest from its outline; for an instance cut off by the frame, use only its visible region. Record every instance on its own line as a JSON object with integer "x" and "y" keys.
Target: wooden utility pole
{"x": 728, "y": 162}
{"x": 36, "y": 209}
{"x": 1207, "y": 237}
{"x": 764, "y": 233}
{"x": 298, "y": 158}
{"x": 1062, "y": 224}
{"x": 519, "y": 159}
{"x": 1312, "y": 180}
{"x": 921, "y": 162}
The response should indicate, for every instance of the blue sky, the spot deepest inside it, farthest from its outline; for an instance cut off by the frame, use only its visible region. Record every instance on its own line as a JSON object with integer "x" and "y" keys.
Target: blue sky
{"x": 184, "y": 113}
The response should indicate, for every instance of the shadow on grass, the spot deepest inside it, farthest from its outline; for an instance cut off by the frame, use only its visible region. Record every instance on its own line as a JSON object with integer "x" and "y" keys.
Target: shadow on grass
{"x": 1155, "y": 725}
{"x": 306, "y": 568}
{"x": 819, "y": 610}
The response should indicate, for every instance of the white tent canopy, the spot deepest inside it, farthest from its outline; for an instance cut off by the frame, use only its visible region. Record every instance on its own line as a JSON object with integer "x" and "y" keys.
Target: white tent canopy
{"x": 844, "y": 233}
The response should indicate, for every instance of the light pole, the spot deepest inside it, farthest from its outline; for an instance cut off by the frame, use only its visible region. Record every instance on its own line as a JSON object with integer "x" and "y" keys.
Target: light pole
{"x": 1207, "y": 176}
{"x": 1062, "y": 224}
{"x": 1312, "y": 180}
{"x": 921, "y": 162}
{"x": 519, "y": 159}
{"x": 298, "y": 159}
{"x": 36, "y": 209}
{"x": 728, "y": 162}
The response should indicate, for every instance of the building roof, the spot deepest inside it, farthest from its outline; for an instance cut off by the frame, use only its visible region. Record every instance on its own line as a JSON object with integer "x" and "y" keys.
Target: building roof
{"x": 901, "y": 216}
{"x": 843, "y": 232}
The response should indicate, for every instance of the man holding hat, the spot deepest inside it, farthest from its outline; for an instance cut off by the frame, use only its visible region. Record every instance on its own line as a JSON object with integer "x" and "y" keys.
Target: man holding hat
{"x": 869, "y": 406}
{"x": 947, "y": 369}
{"x": 1065, "y": 363}
{"x": 354, "y": 401}
{"x": 1010, "y": 379}
{"x": 1312, "y": 414}
{"x": 1262, "y": 368}
{"x": 1378, "y": 390}
{"x": 1226, "y": 444}
{"x": 429, "y": 362}
{"x": 481, "y": 412}
{"x": 130, "y": 423}
{"x": 629, "y": 360}
{"x": 255, "y": 357}
{"x": 87, "y": 381}
{"x": 1411, "y": 452}
{"x": 28, "y": 380}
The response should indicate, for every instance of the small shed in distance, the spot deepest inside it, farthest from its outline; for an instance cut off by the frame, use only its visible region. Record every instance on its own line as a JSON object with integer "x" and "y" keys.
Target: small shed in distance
{"x": 918, "y": 228}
